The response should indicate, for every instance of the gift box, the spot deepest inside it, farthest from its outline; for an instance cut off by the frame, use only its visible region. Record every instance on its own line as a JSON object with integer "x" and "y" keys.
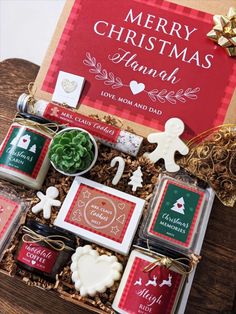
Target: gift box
{"x": 100, "y": 173}
{"x": 64, "y": 286}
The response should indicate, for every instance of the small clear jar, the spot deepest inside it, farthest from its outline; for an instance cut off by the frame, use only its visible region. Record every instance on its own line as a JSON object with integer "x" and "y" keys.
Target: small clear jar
{"x": 24, "y": 151}
{"x": 45, "y": 250}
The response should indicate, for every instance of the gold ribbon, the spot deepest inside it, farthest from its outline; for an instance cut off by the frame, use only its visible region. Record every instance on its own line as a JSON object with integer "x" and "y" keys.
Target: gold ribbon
{"x": 168, "y": 262}
{"x": 224, "y": 31}
{"x": 32, "y": 88}
{"x": 56, "y": 244}
{"x": 38, "y": 126}
{"x": 200, "y": 137}
{"x": 212, "y": 158}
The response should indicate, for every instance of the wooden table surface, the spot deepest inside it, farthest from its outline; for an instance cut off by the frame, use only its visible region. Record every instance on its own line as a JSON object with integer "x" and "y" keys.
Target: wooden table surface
{"x": 213, "y": 290}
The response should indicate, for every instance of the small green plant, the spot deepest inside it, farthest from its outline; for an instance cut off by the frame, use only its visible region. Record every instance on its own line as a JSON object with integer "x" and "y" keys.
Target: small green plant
{"x": 72, "y": 151}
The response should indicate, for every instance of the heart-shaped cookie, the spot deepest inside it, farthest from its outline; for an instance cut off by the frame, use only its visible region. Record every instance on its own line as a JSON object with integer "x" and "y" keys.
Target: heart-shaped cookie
{"x": 69, "y": 86}
{"x": 93, "y": 273}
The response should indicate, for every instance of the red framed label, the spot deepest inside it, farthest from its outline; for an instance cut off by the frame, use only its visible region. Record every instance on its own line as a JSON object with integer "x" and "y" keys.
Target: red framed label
{"x": 100, "y": 212}
{"x": 152, "y": 292}
{"x": 156, "y": 62}
{"x": 8, "y": 211}
{"x": 38, "y": 257}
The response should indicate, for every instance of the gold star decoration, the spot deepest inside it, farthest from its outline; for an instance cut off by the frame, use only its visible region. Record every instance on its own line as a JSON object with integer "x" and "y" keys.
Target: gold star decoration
{"x": 224, "y": 31}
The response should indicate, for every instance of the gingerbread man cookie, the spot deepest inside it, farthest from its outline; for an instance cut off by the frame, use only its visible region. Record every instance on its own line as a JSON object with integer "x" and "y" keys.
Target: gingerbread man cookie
{"x": 168, "y": 142}
{"x": 46, "y": 202}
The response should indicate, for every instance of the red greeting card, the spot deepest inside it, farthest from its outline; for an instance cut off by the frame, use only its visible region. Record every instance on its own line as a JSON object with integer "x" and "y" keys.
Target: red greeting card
{"x": 142, "y": 62}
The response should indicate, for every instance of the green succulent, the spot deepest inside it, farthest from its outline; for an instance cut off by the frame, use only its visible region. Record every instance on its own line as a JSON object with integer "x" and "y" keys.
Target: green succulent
{"x": 72, "y": 151}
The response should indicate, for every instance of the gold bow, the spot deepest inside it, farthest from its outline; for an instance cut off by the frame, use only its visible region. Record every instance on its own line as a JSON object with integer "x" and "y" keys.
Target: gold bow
{"x": 224, "y": 31}
{"x": 56, "y": 244}
{"x": 177, "y": 263}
